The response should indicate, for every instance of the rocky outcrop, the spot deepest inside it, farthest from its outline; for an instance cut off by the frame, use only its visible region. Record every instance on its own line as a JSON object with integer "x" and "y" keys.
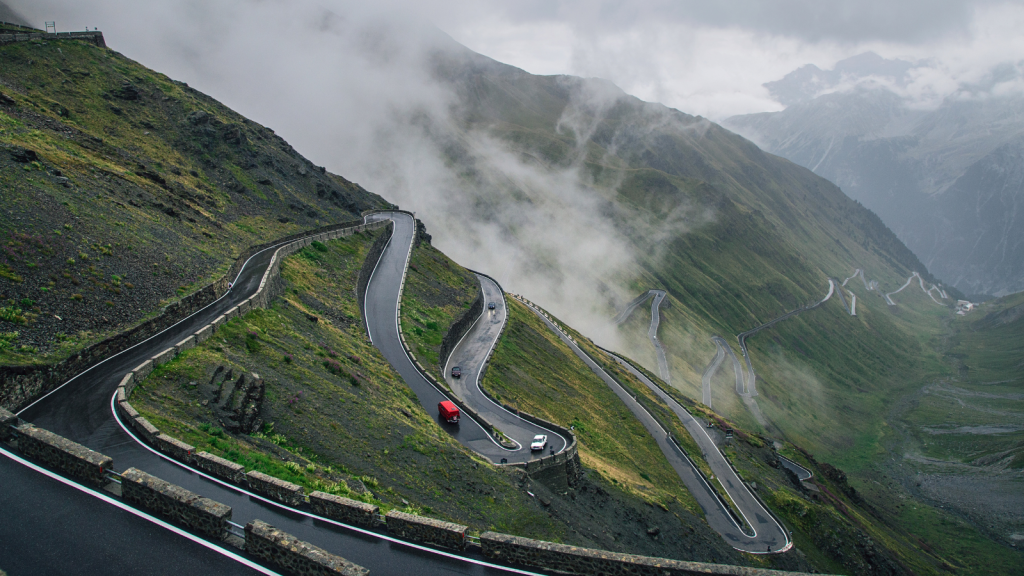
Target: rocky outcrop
{"x": 237, "y": 402}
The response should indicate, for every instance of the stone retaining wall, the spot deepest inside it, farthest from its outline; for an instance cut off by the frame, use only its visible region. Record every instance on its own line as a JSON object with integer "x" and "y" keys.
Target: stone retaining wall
{"x": 343, "y": 509}
{"x": 275, "y": 489}
{"x": 92, "y": 37}
{"x": 459, "y": 328}
{"x": 64, "y": 455}
{"x": 296, "y": 557}
{"x": 203, "y": 515}
{"x": 575, "y": 560}
{"x": 219, "y": 467}
{"x": 6, "y": 421}
{"x": 426, "y": 530}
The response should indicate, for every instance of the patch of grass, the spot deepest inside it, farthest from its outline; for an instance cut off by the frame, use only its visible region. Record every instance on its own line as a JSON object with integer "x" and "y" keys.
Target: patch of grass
{"x": 437, "y": 293}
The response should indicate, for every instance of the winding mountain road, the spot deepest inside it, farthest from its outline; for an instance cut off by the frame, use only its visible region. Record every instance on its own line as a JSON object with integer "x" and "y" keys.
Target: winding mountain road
{"x": 470, "y": 354}
{"x": 652, "y": 332}
{"x": 768, "y": 535}
{"x": 382, "y": 300}
{"x": 82, "y": 410}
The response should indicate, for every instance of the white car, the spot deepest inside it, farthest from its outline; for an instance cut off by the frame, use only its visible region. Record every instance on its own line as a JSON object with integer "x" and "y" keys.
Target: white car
{"x": 539, "y": 442}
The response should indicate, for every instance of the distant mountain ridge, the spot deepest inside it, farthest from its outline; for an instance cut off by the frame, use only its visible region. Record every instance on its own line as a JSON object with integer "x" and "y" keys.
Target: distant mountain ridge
{"x": 945, "y": 180}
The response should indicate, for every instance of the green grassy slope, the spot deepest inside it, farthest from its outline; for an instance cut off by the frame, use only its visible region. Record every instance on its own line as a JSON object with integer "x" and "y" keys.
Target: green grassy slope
{"x": 122, "y": 190}
{"x": 736, "y": 236}
{"x": 437, "y": 293}
{"x": 336, "y": 414}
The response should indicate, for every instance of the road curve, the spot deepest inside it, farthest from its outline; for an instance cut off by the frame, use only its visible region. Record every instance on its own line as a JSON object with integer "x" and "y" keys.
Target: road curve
{"x": 769, "y": 536}
{"x": 742, "y": 337}
{"x": 709, "y": 373}
{"x": 471, "y": 354}
{"x": 383, "y": 294}
{"x": 801, "y": 472}
{"x": 82, "y": 410}
{"x": 652, "y": 332}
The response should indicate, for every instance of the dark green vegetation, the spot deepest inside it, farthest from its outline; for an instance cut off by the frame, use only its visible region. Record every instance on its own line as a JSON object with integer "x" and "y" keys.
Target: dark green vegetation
{"x": 437, "y": 293}
{"x": 122, "y": 190}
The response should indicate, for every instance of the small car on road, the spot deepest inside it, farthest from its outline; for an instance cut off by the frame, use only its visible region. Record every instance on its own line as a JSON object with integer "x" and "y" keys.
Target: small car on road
{"x": 456, "y": 372}
{"x": 539, "y": 442}
{"x": 490, "y": 305}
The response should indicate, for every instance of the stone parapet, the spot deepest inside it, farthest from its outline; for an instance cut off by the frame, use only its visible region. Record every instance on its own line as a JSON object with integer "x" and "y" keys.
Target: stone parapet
{"x": 143, "y": 427}
{"x": 186, "y": 344}
{"x": 204, "y": 333}
{"x": 343, "y": 509}
{"x": 64, "y": 455}
{"x": 128, "y": 383}
{"x": 293, "y": 555}
{"x": 7, "y": 420}
{"x": 142, "y": 371}
{"x": 174, "y": 448}
{"x": 164, "y": 357}
{"x": 275, "y": 489}
{"x": 174, "y": 502}
{"x": 219, "y": 467}
{"x": 127, "y": 411}
{"x": 575, "y": 560}
{"x": 427, "y": 530}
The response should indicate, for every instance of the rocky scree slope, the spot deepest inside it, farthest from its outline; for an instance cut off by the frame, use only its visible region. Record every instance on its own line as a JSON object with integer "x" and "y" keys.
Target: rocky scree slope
{"x": 122, "y": 190}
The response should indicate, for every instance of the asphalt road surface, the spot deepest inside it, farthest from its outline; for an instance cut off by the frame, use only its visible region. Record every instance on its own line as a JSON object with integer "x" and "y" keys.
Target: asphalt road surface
{"x": 470, "y": 355}
{"x": 769, "y": 535}
{"x": 382, "y": 297}
{"x": 709, "y": 373}
{"x": 82, "y": 410}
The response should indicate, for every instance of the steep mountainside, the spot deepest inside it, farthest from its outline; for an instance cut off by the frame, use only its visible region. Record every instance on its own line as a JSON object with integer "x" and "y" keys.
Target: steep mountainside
{"x": 920, "y": 170}
{"x": 122, "y": 190}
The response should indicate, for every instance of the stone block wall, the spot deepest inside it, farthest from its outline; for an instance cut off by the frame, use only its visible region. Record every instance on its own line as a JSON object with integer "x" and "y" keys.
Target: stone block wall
{"x": 64, "y": 455}
{"x": 219, "y": 467}
{"x": 91, "y": 37}
{"x": 275, "y": 489}
{"x": 292, "y": 555}
{"x": 6, "y": 421}
{"x": 343, "y": 509}
{"x": 576, "y": 560}
{"x": 174, "y": 448}
{"x": 203, "y": 515}
{"x": 144, "y": 428}
{"x": 426, "y": 530}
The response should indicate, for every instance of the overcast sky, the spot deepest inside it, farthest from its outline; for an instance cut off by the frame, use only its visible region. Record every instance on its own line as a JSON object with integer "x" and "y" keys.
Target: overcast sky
{"x": 346, "y": 83}
{"x": 707, "y": 58}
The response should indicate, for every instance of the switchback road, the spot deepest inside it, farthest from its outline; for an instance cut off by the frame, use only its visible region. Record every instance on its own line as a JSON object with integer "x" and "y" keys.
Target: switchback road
{"x": 82, "y": 410}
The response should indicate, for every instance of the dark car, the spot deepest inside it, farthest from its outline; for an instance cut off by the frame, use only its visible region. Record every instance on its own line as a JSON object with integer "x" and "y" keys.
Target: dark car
{"x": 490, "y": 305}
{"x": 456, "y": 372}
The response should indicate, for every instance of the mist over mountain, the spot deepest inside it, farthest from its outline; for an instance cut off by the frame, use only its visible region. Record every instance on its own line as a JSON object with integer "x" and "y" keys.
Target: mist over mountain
{"x": 945, "y": 178}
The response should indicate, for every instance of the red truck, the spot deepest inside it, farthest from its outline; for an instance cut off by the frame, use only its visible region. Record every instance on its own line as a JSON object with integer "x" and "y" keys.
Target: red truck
{"x": 449, "y": 412}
